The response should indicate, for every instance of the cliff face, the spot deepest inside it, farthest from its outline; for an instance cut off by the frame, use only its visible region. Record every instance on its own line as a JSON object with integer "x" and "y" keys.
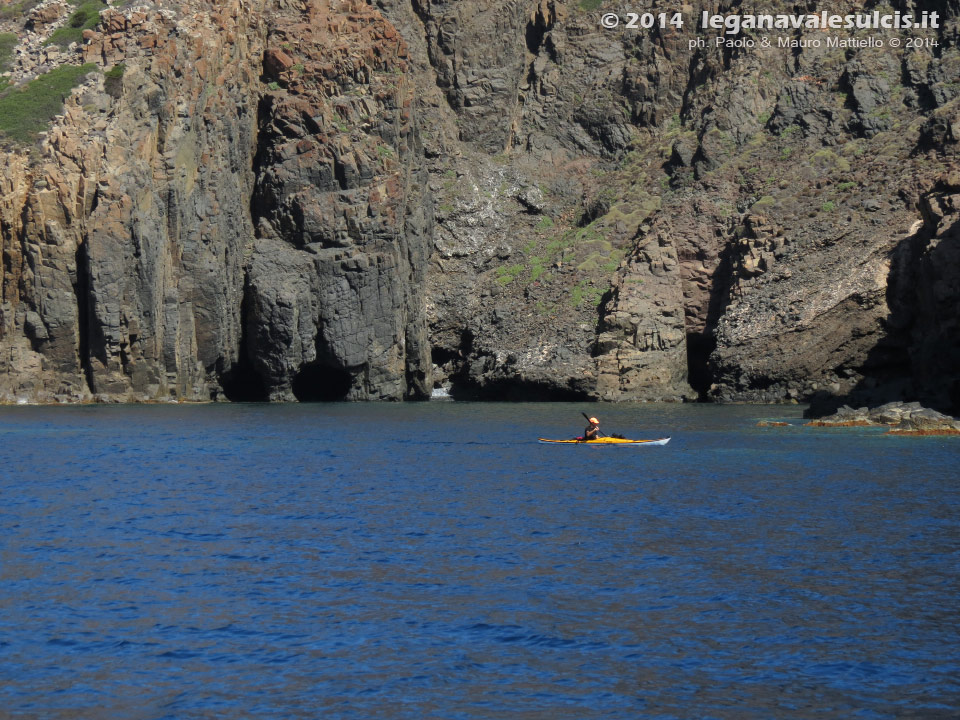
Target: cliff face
{"x": 924, "y": 296}
{"x": 343, "y": 224}
{"x": 665, "y": 220}
{"x": 319, "y": 199}
{"x": 239, "y": 215}
{"x": 124, "y": 235}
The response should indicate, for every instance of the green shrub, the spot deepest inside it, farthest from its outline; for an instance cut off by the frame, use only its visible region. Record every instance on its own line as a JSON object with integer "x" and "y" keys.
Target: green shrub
{"x": 826, "y": 158}
{"x": 844, "y": 186}
{"x": 589, "y": 5}
{"x": 585, "y": 292}
{"x": 559, "y": 245}
{"x": 18, "y": 9}
{"x": 614, "y": 262}
{"x": 577, "y": 295}
{"x": 113, "y": 80}
{"x": 537, "y": 268}
{"x": 85, "y": 17}
{"x": 506, "y": 275}
{"x": 27, "y": 111}
{"x": 546, "y": 222}
{"x": 8, "y": 41}
{"x": 828, "y": 206}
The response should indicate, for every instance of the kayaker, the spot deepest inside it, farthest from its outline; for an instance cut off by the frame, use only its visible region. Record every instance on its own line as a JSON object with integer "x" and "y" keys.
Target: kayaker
{"x": 593, "y": 429}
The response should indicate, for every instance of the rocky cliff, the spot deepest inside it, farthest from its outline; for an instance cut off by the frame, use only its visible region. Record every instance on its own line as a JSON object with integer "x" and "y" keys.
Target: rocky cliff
{"x": 316, "y": 199}
{"x": 238, "y": 213}
{"x": 126, "y": 225}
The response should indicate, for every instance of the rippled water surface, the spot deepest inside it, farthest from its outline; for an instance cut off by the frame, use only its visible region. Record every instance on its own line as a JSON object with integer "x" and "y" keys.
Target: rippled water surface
{"x": 434, "y": 561}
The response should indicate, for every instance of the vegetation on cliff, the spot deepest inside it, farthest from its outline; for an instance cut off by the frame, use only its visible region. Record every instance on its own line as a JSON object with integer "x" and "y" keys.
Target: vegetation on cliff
{"x": 8, "y": 41}
{"x": 26, "y": 111}
{"x": 17, "y": 9}
{"x": 85, "y": 17}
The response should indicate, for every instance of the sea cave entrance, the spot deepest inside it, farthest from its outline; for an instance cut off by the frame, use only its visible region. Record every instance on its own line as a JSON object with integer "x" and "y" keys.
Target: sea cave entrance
{"x": 317, "y": 382}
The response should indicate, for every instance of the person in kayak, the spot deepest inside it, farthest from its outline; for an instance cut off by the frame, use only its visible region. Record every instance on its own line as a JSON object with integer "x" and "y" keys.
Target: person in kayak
{"x": 593, "y": 430}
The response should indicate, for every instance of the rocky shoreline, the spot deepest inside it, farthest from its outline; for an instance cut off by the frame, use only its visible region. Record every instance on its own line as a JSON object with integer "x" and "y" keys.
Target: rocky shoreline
{"x": 901, "y": 419}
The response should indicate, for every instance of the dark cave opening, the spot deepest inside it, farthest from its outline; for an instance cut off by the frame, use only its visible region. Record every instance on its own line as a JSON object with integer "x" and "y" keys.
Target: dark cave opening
{"x": 451, "y": 356}
{"x": 81, "y": 291}
{"x": 317, "y": 382}
{"x": 242, "y": 383}
{"x": 442, "y": 355}
{"x": 699, "y": 347}
{"x": 514, "y": 390}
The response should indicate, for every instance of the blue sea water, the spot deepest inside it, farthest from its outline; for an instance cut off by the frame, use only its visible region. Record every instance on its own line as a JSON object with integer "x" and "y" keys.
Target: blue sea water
{"x": 434, "y": 561}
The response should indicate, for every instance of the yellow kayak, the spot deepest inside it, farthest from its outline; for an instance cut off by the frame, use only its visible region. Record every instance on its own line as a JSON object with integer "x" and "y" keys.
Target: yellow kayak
{"x": 608, "y": 441}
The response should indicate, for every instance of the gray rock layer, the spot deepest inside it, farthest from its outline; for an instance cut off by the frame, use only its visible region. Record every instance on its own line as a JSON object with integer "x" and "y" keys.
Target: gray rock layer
{"x": 330, "y": 199}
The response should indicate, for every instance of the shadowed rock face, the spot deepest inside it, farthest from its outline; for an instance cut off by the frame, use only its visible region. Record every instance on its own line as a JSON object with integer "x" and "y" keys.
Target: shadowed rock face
{"x": 344, "y": 227}
{"x": 329, "y": 199}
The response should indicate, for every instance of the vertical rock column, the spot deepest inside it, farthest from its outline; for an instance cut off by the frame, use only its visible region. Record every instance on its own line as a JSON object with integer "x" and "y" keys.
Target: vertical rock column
{"x": 166, "y": 254}
{"x": 125, "y": 233}
{"x": 641, "y": 346}
{"x": 333, "y": 304}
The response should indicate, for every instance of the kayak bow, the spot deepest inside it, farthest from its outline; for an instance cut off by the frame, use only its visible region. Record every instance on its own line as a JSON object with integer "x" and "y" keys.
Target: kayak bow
{"x": 608, "y": 441}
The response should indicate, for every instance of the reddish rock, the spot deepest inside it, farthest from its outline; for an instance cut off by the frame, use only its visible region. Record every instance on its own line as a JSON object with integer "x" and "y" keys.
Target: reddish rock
{"x": 276, "y": 62}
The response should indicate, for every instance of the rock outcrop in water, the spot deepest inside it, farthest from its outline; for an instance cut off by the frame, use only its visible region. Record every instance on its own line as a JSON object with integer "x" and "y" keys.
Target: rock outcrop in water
{"x": 901, "y": 418}
{"x": 325, "y": 199}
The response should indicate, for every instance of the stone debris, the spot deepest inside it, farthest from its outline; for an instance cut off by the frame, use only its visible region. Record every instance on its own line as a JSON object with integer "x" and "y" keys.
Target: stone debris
{"x": 901, "y": 418}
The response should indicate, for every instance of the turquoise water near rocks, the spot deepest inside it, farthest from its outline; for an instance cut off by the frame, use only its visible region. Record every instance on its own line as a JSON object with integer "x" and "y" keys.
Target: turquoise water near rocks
{"x": 434, "y": 561}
